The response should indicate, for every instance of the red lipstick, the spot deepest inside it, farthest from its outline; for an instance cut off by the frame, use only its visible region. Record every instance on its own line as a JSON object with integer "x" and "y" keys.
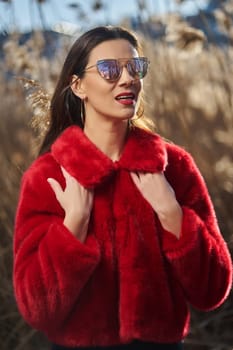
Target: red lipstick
{"x": 126, "y": 98}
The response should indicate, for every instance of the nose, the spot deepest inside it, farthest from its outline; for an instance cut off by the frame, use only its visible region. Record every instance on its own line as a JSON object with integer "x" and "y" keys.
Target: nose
{"x": 126, "y": 78}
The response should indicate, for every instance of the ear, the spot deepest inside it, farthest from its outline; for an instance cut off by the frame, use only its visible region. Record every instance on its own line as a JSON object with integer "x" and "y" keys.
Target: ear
{"x": 76, "y": 87}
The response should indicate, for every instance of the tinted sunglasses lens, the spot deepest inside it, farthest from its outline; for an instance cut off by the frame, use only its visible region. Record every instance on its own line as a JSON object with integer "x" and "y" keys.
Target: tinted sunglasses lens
{"x": 109, "y": 69}
{"x": 138, "y": 67}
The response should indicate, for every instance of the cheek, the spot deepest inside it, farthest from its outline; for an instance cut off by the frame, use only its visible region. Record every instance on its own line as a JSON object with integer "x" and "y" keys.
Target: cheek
{"x": 97, "y": 89}
{"x": 100, "y": 96}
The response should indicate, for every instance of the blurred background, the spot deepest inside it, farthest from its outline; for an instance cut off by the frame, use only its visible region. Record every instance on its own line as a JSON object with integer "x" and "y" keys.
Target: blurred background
{"x": 188, "y": 94}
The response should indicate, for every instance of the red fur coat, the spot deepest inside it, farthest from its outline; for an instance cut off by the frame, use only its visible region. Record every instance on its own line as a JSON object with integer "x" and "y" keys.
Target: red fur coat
{"x": 130, "y": 279}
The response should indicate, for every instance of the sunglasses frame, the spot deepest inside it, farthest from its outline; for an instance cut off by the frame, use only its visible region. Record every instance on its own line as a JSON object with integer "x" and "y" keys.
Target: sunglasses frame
{"x": 127, "y": 64}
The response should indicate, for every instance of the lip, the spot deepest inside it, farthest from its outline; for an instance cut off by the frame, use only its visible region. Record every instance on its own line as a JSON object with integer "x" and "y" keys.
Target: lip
{"x": 126, "y": 93}
{"x": 129, "y": 98}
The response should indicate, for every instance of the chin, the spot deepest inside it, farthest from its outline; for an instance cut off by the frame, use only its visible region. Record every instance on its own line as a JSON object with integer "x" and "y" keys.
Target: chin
{"x": 128, "y": 116}
{"x": 123, "y": 116}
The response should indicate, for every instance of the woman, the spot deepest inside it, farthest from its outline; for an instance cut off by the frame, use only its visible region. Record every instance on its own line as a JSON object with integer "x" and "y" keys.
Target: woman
{"x": 115, "y": 232}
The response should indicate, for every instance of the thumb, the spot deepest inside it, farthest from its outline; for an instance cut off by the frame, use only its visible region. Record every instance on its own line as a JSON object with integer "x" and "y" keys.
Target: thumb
{"x": 56, "y": 187}
{"x": 135, "y": 178}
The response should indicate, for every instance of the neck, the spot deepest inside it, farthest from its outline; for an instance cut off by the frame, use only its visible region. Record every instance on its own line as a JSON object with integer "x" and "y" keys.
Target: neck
{"x": 109, "y": 138}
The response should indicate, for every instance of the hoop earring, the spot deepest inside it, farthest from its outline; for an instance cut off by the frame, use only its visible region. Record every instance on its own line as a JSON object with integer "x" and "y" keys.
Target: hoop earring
{"x": 82, "y": 112}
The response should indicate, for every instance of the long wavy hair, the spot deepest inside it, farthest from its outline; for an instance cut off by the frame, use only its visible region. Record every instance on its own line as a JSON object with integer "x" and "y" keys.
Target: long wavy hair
{"x": 67, "y": 108}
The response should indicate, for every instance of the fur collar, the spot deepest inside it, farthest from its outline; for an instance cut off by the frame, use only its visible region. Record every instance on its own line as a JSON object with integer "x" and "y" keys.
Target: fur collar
{"x": 143, "y": 151}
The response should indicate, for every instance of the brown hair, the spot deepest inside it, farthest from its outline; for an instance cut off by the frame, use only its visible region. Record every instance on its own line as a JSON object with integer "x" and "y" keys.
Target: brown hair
{"x": 66, "y": 108}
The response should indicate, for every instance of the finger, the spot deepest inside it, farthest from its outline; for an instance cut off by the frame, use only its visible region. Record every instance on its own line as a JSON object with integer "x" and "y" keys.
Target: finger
{"x": 57, "y": 189}
{"x": 135, "y": 178}
{"x": 65, "y": 173}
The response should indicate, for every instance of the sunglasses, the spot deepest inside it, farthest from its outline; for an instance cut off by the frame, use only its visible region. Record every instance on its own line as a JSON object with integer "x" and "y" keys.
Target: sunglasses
{"x": 111, "y": 69}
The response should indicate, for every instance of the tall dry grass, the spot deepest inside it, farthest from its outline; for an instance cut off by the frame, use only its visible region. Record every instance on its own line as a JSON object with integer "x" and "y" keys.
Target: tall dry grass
{"x": 190, "y": 98}
{"x": 188, "y": 94}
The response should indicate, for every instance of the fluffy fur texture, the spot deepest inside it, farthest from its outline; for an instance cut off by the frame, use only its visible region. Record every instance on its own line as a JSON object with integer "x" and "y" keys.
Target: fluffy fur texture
{"x": 130, "y": 279}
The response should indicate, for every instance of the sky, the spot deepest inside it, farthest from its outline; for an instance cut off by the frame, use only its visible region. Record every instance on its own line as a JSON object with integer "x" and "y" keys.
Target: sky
{"x": 25, "y": 16}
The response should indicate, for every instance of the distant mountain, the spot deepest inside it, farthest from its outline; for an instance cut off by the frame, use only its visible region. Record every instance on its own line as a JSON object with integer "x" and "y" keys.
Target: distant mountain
{"x": 204, "y": 20}
{"x": 52, "y": 41}
{"x": 207, "y": 22}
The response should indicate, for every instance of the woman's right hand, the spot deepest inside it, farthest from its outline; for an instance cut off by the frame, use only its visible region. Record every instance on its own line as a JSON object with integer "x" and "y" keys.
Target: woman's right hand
{"x": 77, "y": 202}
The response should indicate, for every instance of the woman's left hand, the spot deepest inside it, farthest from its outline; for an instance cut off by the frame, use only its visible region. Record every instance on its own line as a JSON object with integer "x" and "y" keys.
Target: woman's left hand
{"x": 160, "y": 195}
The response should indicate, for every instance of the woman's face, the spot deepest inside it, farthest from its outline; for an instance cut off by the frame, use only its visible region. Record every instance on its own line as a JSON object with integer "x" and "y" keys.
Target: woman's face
{"x": 104, "y": 99}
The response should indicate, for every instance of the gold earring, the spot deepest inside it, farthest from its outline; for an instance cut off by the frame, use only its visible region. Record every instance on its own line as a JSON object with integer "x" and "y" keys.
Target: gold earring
{"x": 82, "y": 112}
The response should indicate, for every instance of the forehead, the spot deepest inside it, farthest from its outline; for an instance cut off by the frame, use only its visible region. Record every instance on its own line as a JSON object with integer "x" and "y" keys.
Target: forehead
{"x": 117, "y": 48}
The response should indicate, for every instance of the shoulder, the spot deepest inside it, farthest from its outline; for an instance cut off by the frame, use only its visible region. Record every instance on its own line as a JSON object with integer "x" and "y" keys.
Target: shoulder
{"x": 35, "y": 191}
{"x": 46, "y": 164}
{"x": 180, "y": 159}
{"x": 176, "y": 155}
{"x": 43, "y": 167}
{"x": 180, "y": 169}
{"x": 183, "y": 173}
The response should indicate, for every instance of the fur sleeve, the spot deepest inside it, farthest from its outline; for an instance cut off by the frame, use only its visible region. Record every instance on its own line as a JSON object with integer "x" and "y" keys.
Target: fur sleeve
{"x": 51, "y": 266}
{"x": 200, "y": 258}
